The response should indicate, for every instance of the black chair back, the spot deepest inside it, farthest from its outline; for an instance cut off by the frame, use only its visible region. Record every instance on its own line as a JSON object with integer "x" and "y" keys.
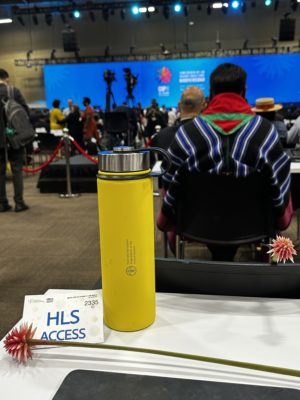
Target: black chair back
{"x": 222, "y": 209}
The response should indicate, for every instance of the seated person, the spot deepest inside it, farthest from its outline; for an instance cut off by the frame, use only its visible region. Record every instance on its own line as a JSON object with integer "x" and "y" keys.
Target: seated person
{"x": 191, "y": 104}
{"x": 57, "y": 117}
{"x": 267, "y": 108}
{"x": 228, "y": 138}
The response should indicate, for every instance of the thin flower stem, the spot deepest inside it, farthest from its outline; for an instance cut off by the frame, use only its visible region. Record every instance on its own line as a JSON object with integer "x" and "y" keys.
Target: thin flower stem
{"x": 222, "y": 361}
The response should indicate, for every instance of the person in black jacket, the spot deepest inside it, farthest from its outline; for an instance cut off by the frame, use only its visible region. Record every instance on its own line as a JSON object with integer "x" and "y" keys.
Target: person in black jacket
{"x": 16, "y": 157}
{"x": 191, "y": 103}
{"x": 75, "y": 125}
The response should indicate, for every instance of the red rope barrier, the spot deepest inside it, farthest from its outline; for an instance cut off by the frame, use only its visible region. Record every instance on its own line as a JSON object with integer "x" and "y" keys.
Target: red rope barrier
{"x": 34, "y": 170}
{"x": 82, "y": 151}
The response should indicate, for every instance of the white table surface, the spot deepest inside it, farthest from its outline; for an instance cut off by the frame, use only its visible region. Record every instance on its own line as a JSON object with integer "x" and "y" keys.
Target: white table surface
{"x": 246, "y": 329}
{"x": 295, "y": 167}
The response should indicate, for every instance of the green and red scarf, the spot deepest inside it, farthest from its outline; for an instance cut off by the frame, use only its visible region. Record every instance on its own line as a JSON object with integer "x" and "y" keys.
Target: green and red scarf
{"x": 227, "y": 113}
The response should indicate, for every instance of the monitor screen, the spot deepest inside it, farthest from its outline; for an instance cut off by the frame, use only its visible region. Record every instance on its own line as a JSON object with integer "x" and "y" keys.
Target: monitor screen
{"x": 273, "y": 75}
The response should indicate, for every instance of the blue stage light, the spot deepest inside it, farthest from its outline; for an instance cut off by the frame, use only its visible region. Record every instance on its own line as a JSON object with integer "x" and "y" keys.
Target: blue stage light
{"x": 135, "y": 10}
{"x": 177, "y": 8}
{"x": 76, "y": 14}
{"x": 235, "y": 4}
{"x": 268, "y": 3}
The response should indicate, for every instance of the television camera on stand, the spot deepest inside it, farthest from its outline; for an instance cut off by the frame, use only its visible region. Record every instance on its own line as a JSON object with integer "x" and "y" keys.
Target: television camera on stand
{"x": 109, "y": 76}
{"x": 131, "y": 81}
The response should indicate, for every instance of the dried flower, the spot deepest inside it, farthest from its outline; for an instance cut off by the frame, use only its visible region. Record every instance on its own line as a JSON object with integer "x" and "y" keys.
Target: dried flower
{"x": 282, "y": 249}
{"x": 17, "y": 344}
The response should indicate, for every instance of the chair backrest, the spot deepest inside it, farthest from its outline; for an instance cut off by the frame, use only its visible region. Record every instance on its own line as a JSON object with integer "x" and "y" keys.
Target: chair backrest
{"x": 222, "y": 209}
{"x": 116, "y": 122}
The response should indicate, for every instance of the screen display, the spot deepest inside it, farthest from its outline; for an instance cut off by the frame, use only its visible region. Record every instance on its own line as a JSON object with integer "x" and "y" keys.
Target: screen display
{"x": 275, "y": 75}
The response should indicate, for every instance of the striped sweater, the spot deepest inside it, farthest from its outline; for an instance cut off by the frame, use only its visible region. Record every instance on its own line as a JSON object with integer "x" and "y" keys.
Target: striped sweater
{"x": 238, "y": 143}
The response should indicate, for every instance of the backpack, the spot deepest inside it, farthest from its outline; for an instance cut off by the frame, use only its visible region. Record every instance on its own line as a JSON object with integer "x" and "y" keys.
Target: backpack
{"x": 19, "y": 130}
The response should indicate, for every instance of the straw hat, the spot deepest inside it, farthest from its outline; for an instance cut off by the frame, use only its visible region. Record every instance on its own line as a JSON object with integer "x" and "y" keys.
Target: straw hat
{"x": 266, "y": 104}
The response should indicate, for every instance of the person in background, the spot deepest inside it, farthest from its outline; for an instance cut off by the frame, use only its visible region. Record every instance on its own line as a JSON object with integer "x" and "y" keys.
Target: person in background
{"x": 154, "y": 118}
{"x": 75, "y": 124}
{"x": 267, "y": 108}
{"x": 89, "y": 123}
{"x": 15, "y": 156}
{"x": 172, "y": 116}
{"x": 191, "y": 103}
{"x": 69, "y": 109}
{"x": 228, "y": 138}
{"x": 57, "y": 118}
{"x": 293, "y": 136}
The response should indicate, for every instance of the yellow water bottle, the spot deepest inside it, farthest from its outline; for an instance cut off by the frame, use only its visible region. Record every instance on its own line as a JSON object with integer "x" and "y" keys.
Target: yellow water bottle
{"x": 126, "y": 219}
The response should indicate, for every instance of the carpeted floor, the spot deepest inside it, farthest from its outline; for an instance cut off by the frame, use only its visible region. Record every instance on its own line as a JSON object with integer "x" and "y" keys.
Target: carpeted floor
{"x": 55, "y": 244}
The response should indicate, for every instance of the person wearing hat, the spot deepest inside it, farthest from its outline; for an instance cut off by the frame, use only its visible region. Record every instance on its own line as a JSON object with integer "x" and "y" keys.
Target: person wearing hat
{"x": 267, "y": 108}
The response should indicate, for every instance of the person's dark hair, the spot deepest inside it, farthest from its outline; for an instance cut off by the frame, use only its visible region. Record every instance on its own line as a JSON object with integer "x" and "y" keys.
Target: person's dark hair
{"x": 228, "y": 78}
{"x": 3, "y": 74}
{"x": 56, "y": 103}
{"x": 86, "y": 100}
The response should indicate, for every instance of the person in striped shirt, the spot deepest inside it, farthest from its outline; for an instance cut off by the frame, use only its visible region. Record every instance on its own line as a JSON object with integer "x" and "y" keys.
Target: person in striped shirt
{"x": 228, "y": 137}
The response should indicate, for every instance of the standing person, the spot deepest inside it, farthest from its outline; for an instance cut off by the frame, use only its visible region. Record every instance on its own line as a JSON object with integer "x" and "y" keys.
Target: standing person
{"x": 69, "y": 109}
{"x": 75, "y": 125}
{"x": 57, "y": 118}
{"x": 228, "y": 138}
{"x": 89, "y": 122}
{"x": 16, "y": 157}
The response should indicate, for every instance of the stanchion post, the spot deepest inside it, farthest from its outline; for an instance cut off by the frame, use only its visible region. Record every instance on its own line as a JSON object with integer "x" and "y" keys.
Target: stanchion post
{"x": 68, "y": 194}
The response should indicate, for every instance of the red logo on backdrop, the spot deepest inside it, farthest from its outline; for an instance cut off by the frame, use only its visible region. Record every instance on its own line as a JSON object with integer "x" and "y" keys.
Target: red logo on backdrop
{"x": 165, "y": 75}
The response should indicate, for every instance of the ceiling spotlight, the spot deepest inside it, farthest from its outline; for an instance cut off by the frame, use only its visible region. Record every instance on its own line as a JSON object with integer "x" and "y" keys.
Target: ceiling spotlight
{"x": 268, "y": 3}
{"x": 166, "y": 12}
{"x": 48, "y": 19}
{"x": 135, "y": 10}
{"x": 235, "y": 4}
{"x": 6, "y": 20}
{"x": 217, "y": 5}
{"x": 21, "y": 20}
{"x": 35, "y": 20}
{"x": 76, "y": 14}
{"x": 177, "y": 8}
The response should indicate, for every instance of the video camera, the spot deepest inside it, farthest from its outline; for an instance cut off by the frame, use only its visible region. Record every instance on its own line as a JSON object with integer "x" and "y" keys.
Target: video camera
{"x": 131, "y": 79}
{"x": 109, "y": 76}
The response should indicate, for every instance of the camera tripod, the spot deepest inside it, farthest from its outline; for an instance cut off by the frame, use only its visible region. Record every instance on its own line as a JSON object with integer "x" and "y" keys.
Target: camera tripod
{"x": 108, "y": 96}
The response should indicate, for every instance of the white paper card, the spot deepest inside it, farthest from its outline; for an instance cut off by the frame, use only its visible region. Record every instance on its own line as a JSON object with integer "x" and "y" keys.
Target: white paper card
{"x": 71, "y": 316}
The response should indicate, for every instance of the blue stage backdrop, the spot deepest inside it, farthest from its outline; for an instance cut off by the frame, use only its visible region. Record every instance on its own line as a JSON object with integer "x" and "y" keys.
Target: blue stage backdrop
{"x": 268, "y": 76}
